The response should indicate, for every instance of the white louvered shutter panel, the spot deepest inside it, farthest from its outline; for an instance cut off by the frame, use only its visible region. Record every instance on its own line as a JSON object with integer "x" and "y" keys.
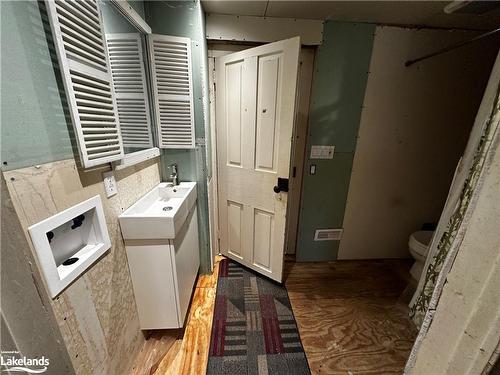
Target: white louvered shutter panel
{"x": 81, "y": 51}
{"x": 173, "y": 90}
{"x": 131, "y": 92}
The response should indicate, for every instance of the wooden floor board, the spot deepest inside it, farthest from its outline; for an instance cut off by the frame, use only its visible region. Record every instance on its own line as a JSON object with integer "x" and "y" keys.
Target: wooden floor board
{"x": 350, "y": 317}
{"x": 156, "y": 346}
{"x": 189, "y": 355}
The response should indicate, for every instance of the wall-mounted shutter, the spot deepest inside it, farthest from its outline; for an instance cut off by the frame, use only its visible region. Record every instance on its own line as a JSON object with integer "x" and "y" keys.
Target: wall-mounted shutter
{"x": 131, "y": 91}
{"x": 81, "y": 50}
{"x": 173, "y": 90}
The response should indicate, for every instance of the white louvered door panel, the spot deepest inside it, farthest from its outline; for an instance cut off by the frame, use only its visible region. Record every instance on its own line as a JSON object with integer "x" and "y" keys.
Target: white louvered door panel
{"x": 131, "y": 92}
{"x": 173, "y": 90}
{"x": 81, "y": 50}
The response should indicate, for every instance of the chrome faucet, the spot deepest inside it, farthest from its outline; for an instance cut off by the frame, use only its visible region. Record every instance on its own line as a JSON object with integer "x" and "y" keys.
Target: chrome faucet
{"x": 173, "y": 175}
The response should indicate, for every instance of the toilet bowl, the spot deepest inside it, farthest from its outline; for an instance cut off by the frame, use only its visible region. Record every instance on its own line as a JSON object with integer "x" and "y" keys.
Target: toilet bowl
{"x": 418, "y": 245}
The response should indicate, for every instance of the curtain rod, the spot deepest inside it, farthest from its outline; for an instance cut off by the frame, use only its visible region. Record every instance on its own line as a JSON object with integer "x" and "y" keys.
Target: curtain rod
{"x": 452, "y": 47}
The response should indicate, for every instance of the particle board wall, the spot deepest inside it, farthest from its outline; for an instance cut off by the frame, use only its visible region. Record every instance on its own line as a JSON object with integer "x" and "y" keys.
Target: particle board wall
{"x": 96, "y": 314}
{"x": 414, "y": 126}
{"x": 28, "y": 323}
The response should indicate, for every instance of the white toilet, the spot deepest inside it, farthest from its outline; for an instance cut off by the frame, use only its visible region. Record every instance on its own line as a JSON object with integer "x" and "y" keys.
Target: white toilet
{"x": 419, "y": 246}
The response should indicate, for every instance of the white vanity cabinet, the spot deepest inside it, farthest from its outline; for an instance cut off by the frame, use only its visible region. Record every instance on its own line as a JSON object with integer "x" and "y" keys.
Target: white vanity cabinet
{"x": 163, "y": 270}
{"x": 163, "y": 275}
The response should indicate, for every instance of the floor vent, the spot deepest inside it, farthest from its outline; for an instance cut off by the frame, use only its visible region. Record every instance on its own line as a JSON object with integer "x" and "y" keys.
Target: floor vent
{"x": 328, "y": 234}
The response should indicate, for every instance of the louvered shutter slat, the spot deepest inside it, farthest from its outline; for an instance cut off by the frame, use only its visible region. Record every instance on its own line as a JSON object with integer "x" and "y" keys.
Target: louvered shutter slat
{"x": 173, "y": 89}
{"x": 129, "y": 82}
{"x": 81, "y": 51}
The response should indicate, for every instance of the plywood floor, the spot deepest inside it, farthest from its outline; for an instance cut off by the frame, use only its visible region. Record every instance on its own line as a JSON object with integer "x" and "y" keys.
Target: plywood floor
{"x": 157, "y": 345}
{"x": 189, "y": 352}
{"x": 350, "y": 316}
{"x": 349, "y": 313}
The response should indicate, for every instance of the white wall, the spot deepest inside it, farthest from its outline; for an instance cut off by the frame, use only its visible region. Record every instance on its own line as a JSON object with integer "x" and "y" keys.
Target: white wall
{"x": 414, "y": 126}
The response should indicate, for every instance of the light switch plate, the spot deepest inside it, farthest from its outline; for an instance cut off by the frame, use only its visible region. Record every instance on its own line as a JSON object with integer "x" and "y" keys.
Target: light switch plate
{"x": 109, "y": 183}
{"x": 322, "y": 152}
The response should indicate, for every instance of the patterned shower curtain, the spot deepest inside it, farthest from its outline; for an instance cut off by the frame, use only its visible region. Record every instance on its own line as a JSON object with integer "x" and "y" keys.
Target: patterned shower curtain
{"x": 452, "y": 224}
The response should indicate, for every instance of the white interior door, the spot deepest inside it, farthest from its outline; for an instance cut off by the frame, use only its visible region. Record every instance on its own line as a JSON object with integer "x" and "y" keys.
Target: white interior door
{"x": 255, "y": 113}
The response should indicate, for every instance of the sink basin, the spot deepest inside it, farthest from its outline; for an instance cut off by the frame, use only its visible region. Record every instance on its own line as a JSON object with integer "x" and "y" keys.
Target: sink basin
{"x": 160, "y": 213}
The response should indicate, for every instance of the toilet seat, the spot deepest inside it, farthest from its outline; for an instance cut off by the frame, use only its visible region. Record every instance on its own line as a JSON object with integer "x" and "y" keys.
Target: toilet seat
{"x": 418, "y": 244}
{"x": 419, "y": 241}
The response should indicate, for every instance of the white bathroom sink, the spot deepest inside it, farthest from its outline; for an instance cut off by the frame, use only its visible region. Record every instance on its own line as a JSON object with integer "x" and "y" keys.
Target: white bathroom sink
{"x": 160, "y": 213}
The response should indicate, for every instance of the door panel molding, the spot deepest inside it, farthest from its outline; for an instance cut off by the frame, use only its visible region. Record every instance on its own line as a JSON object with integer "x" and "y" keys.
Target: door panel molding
{"x": 255, "y": 106}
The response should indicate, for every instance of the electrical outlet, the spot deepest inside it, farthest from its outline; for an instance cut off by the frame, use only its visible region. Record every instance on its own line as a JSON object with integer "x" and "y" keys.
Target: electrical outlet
{"x": 109, "y": 184}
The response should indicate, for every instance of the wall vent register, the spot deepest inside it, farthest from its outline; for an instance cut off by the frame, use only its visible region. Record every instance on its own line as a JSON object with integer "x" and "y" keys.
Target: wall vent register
{"x": 328, "y": 234}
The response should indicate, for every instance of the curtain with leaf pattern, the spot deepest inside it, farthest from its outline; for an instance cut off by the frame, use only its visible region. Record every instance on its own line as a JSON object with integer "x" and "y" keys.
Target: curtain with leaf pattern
{"x": 453, "y": 221}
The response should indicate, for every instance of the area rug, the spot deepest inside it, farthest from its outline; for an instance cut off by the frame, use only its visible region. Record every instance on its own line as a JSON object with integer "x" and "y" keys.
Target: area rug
{"x": 253, "y": 330}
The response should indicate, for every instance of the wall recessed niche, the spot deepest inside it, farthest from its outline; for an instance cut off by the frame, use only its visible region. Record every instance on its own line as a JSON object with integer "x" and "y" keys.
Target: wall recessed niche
{"x": 68, "y": 243}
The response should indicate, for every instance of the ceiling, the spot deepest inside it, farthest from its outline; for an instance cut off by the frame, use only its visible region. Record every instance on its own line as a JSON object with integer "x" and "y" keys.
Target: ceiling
{"x": 405, "y": 13}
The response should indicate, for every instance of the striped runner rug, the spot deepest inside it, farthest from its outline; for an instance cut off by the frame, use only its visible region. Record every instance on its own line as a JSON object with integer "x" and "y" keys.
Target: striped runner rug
{"x": 253, "y": 330}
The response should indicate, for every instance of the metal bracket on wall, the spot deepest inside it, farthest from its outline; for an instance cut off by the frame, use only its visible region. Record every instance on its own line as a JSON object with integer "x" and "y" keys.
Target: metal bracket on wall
{"x": 451, "y": 48}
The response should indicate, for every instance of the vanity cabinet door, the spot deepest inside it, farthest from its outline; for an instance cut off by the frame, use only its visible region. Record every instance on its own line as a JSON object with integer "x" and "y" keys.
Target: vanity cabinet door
{"x": 151, "y": 267}
{"x": 186, "y": 262}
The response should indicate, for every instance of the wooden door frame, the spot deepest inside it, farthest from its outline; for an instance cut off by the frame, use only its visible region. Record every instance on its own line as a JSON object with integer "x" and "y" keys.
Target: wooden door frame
{"x": 299, "y": 145}
{"x": 212, "y": 192}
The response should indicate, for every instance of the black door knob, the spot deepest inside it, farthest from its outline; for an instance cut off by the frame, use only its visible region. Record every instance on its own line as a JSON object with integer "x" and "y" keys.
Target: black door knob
{"x": 281, "y": 186}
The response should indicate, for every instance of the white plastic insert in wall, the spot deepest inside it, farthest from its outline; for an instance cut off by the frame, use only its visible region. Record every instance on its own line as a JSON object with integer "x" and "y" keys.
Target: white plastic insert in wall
{"x": 68, "y": 243}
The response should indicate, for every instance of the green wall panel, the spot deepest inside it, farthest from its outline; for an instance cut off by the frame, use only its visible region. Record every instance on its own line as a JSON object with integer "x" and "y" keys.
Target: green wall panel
{"x": 114, "y": 21}
{"x": 185, "y": 19}
{"x": 339, "y": 82}
{"x": 323, "y": 206}
{"x": 36, "y": 127}
{"x": 138, "y": 6}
